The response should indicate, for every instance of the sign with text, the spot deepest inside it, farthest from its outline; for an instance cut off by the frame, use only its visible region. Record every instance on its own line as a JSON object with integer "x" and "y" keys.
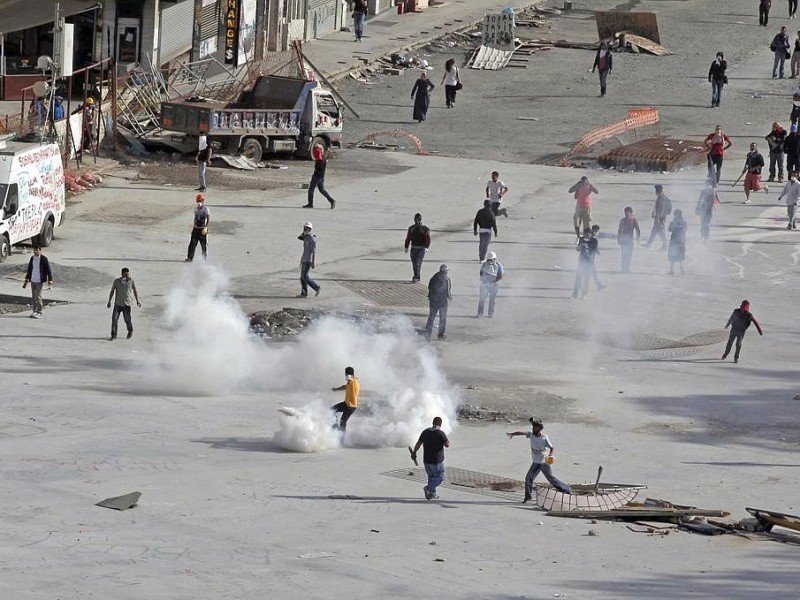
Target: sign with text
{"x": 232, "y": 9}
{"x": 498, "y": 30}
{"x": 610, "y": 23}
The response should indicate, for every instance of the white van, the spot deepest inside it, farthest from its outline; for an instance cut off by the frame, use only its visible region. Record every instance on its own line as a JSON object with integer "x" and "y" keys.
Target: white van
{"x": 32, "y": 193}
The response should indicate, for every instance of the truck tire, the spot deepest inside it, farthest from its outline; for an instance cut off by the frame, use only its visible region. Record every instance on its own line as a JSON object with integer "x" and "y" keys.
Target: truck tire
{"x": 45, "y": 237}
{"x": 5, "y": 248}
{"x": 252, "y": 149}
{"x": 318, "y": 140}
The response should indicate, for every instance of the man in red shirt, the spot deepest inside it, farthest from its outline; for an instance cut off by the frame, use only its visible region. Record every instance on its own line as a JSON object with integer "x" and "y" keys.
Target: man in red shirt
{"x": 583, "y": 206}
{"x": 716, "y": 143}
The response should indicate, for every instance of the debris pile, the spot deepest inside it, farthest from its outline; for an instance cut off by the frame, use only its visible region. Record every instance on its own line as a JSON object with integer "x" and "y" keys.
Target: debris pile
{"x": 473, "y": 412}
{"x": 289, "y": 322}
{"x": 78, "y": 183}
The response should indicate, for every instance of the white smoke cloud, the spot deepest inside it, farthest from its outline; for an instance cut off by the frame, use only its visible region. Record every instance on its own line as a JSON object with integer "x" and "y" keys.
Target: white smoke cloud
{"x": 208, "y": 350}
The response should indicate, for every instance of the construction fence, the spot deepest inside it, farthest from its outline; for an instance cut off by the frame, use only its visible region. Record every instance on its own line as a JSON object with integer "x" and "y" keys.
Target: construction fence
{"x": 637, "y": 118}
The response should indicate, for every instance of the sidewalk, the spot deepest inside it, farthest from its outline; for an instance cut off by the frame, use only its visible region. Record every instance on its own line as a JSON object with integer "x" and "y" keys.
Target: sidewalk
{"x": 338, "y": 53}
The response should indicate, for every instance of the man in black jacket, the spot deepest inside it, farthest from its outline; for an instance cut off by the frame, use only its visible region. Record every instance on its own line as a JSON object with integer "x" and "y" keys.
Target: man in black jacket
{"x": 438, "y": 297}
{"x": 775, "y": 139}
{"x": 739, "y": 321}
{"x": 791, "y": 146}
{"x": 419, "y": 239}
{"x": 484, "y": 224}
{"x": 38, "y": 272}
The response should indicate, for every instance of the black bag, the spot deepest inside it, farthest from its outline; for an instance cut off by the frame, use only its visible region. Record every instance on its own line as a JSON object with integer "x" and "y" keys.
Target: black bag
{"x": 788, "y": 54}
{"x": 772, "y": 47}
{"x": 725, "y": 79}
{"x": 458, "y": 85}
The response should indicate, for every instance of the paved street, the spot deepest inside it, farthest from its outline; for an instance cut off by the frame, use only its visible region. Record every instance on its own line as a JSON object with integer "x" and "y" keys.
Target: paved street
{"x": 186, "y": 411}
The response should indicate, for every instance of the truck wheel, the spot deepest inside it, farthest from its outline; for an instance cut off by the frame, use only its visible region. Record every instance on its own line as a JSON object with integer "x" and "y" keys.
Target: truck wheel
{"x": 318, "y": 140}
{"x": 45, "y": 237}
{"x": 252, "y": 149}
{"x": 5, "y": 248}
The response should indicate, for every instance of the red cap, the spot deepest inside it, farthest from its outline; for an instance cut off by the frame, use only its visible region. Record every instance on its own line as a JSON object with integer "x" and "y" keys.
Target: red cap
{"x": 200, "y": 198}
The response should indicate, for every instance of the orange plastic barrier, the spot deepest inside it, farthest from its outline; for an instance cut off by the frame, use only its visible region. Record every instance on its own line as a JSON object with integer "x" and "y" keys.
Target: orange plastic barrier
{"x": 637, "y": 117}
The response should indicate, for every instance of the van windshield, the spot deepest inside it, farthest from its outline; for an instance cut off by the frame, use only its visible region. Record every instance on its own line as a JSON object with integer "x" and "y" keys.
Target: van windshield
{"x": 3, "y": 193}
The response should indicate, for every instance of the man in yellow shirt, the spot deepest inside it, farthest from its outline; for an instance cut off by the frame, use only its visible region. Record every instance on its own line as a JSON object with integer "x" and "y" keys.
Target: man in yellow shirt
{"x": 351, "y": 389}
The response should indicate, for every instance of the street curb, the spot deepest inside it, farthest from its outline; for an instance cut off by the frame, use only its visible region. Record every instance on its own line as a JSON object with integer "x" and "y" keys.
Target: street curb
{"x": 468, "y": 22}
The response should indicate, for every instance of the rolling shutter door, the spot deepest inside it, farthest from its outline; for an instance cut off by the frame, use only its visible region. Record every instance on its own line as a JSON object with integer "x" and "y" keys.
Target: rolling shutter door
{"x": 247, "y": 29}
{"x": 176, "y": 29}
{"x": 209, "y": 27}
{"x": 321, "y": 18}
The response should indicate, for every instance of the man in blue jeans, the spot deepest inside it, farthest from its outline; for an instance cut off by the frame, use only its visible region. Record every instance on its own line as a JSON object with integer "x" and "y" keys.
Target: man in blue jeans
{"x": 434, "y": 441}
{"x": 359, "y": 15}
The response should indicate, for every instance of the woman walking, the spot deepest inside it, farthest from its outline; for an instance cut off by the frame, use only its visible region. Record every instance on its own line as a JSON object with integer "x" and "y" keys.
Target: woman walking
{"x": 602, "y": 62}
{"x": 677, "y": 241}
{"x": 717, "y": 78}
{"x": 451, "y": 82}
{"x": 421, "y": 94}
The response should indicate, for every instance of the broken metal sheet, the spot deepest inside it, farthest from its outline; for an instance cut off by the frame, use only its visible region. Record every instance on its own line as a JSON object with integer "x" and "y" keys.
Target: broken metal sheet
{"x": 121, "y": 502}
{"x": 238, "y": 162}
{"x": 491, "y": 58}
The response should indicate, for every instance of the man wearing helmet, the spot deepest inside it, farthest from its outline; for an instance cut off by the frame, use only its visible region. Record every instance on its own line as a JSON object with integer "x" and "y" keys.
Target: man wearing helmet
{"x": 202, "y": 218}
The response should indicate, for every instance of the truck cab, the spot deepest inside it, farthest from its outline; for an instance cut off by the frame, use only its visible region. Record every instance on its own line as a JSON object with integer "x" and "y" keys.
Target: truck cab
{"x": 32, "y": 193}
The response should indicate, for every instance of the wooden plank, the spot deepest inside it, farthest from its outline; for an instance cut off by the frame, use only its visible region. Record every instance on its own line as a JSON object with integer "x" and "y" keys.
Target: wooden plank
{"x": 772, "y": 518}
{"x": 645, "y": 44}
{"x": 704, "y": 528}
{"x": 638, "y": 513}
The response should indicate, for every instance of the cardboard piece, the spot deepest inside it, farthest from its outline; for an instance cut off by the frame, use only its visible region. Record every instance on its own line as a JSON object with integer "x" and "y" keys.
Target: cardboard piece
{"x": 609, "y": 23}
{"x": 121, "y": 502}
{"x": 645, "y": 44}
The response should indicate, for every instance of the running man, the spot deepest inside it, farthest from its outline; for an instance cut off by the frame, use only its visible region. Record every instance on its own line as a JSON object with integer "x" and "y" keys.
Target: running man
{"x": 539, "y": 444}
{"x": 351, "y": 388}
{"x": 434, "y": 441}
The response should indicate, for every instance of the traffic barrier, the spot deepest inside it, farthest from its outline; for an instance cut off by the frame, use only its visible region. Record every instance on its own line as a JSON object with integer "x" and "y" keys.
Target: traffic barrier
{"x": 637, "y": 118}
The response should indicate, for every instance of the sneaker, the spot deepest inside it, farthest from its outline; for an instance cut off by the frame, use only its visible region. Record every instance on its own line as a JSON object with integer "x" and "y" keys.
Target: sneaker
{"x": 333, "y": 204}
{"x": 427, "y": 495}
{"x": 736, "y": 360}
{"x": 794, "y": 225}
{"x": 526, "y": 499}
{"x": 748, "y": 201}
{"x": 490, "y": 316}
{"x": 319, "y": 289}
{"x": 187, "y": 260}
{"x": 441, "y": 336}
{"x": 766, "y": 189}
{"x": 33, "y": 315}
{"x": 307, "y": 206}
{"x": 724, "y": 356}
{"x": 414, "y": 280}
{"x": 789, "y": 227}
{"x": 479, "y": 315}
{"x": 112, "y": 338}
{"x": 130, "y": 335}
{"x": 301, "y": 295}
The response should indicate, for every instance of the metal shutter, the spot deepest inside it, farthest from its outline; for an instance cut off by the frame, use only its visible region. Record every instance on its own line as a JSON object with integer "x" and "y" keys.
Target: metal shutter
{"x": 209, "y": 27}
{"x": 247, "y": 29}
{"x": 175, "y": 29}
{"x": 321, "y": 18}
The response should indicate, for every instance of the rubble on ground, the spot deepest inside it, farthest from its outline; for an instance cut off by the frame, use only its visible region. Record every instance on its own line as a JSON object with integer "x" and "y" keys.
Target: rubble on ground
{"x": 289, "y": 322}
{"x": 473, "y": 412}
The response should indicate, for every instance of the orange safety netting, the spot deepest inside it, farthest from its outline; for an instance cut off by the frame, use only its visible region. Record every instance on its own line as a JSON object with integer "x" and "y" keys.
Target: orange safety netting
{"x": 637, "y": 117}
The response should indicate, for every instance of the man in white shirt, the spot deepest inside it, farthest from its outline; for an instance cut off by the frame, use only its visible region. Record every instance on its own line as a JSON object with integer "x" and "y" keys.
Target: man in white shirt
{"x": 495, "y": 190}
{"x": 491, "y": 273}
{"x": 202, "y": 159}
{"x": 539, "y": 443}
{"x": 792, "y": 193}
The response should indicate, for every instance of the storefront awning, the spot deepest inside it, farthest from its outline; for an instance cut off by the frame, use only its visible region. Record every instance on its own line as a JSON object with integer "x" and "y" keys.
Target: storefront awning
{"x": 22, "y": 14}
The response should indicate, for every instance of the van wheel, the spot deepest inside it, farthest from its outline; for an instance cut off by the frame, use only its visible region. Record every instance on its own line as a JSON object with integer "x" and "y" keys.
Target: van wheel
{"x": 5, "y": 248}
{"x": 45, "y": 237}
{"x": 252, "y": 149}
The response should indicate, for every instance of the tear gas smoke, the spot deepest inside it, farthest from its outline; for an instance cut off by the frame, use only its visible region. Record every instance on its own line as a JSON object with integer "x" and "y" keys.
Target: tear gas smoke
{"x": 209, "y": 350}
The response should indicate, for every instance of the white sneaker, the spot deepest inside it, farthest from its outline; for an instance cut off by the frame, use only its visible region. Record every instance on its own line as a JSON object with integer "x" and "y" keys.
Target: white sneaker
{"x": 36, "y": 315}
{"x": 766, "y": 189}
{"x": 748, "y": 201}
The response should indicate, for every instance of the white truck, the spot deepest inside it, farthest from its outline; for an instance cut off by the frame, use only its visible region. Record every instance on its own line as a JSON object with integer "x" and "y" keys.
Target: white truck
{"x": 32, "y": 193}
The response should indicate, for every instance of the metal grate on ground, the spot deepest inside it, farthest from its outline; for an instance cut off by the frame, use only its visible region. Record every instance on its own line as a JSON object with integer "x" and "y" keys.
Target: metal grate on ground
{"x": 656, "y": 154}
{"x": 475, "y": 482}
{"x": 389, "y": 293}
{"x": 644, "y": 342}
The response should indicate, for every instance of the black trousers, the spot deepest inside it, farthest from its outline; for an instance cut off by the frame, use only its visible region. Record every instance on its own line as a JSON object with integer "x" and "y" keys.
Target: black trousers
{"x": 450, "y": 95}
{"x": 763, "y": 15}
{"x": 715, "y": 166}
{"x": 738, "y": 336}
{"x": 197, "y": 236}
{"x": 125, "y": 311}
{"x": 792, "y": 163}
{"x": 792, "y": 7}
{"x": 317, "y": 182}
{"x": 347, "y": 412}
